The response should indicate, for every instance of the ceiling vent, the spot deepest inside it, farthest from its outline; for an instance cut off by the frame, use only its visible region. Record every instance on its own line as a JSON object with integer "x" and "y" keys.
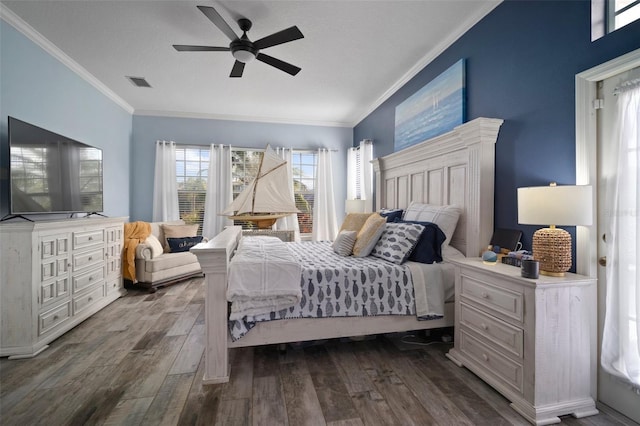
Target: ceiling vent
{"x": 138, "y": 81}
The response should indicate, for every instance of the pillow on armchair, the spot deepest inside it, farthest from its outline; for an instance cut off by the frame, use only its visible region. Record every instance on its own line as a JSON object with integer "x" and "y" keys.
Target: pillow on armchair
{"x": 178, "y": 231}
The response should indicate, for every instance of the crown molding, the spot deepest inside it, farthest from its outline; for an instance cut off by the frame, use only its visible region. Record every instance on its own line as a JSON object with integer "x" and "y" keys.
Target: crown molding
{"x": 28, "y": 31}
{"x": 246, "y": 118}
{"x": 465, "y": 26}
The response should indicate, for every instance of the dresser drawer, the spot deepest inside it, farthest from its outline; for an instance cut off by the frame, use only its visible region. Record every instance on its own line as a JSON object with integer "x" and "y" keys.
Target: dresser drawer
{"x": 492, "y": 362}
{"x": 87, "y": 279}
{"x": 495, "y": 331}
{"x": 508, "y": 302}
{"x": 88, "y": 258}
{"x": 85, "y": 300}
{"x": 112, "y": 286}
{"x": 50, "y": 319}
{"x": 83, "y": 239}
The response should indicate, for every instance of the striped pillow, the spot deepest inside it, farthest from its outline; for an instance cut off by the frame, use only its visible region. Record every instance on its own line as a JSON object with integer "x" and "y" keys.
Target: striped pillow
{"x": 446, "y": 217}
{"x": 343, "y": 245}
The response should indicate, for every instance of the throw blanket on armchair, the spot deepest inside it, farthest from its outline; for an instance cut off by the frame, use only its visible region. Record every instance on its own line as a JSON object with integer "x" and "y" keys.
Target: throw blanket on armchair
{"x": 134, "y": 234}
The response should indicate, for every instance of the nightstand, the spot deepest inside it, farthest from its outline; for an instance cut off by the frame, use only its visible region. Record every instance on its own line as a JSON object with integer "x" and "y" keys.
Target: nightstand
{"x": 285, "y": 235}
{"x": 533, "y": 340}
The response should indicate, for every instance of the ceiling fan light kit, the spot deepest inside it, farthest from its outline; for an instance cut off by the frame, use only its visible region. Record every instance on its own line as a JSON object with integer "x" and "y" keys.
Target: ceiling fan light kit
{"x": 243, "y": 49}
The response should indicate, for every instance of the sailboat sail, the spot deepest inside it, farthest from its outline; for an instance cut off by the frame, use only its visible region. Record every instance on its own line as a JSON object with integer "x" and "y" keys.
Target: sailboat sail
{"x": 268, "y": 193}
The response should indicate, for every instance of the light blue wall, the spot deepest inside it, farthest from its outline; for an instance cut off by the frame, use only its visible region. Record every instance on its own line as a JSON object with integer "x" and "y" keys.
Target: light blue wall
{"x": 36, "y": 88}
{"x": 194, "y": 131}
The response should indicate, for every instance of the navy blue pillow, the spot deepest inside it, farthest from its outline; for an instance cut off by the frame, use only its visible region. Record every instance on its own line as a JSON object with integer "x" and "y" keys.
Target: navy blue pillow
{"x": 392, "y": 215}
{"x": 429, "y": 246}
{"x": 177, "y": 245}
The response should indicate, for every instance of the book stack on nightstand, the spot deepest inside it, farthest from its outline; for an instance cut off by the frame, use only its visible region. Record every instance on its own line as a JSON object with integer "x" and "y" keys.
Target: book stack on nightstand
{"x": 533, "y": 340}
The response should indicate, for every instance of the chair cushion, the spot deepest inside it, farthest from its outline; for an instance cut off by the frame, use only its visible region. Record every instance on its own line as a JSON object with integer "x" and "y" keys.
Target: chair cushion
{"x": 170, "y": 260}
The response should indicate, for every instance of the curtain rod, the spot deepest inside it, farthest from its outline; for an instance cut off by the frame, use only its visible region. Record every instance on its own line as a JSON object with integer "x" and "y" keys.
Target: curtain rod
{"x": 627, "y": 85}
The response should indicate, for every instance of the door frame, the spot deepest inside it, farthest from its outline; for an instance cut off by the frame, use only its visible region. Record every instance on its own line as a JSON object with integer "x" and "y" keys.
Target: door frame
{"x": 587, "y": 173}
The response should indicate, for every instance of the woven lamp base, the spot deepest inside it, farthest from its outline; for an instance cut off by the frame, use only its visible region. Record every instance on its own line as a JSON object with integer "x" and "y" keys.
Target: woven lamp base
{"x": 552, "y": 248}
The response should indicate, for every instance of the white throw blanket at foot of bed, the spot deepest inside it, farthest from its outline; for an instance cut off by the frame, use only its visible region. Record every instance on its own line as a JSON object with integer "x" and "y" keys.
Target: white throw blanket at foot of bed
{"x": 264, "y": 277}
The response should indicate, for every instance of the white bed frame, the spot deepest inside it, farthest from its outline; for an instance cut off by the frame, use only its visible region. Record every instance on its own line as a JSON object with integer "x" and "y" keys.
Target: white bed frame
{"x": 454, "y": 168}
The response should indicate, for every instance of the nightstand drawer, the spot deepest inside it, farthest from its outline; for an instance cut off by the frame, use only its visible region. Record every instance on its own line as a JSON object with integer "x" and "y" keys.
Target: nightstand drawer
{"x": 492, "y": 362}
{"x": 501, "y": 300}
{"x": 497, "y": 332}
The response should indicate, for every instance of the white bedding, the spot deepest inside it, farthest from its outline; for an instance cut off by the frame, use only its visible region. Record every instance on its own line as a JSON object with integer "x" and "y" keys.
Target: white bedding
{"x": 264, "y": 277}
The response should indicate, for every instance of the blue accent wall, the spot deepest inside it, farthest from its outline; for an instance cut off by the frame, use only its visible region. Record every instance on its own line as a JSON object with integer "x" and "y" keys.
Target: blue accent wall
{"x": 37, "y": 88}
{"x": 195, "y": 131}
{"x": 522, "y": 59}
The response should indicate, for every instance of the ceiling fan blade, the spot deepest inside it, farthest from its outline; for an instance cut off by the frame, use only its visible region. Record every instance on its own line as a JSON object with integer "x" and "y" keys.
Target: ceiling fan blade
{"x": 237, "y": 69}
{"x": 280, "y": 37}
{"x": 219, "y": 22}
{"x": 189, "y": 48}
{"x": 281, "y": 65}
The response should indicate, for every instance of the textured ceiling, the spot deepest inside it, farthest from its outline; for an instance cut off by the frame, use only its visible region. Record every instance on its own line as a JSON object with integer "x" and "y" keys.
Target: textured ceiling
{"x": 353, "y": 54}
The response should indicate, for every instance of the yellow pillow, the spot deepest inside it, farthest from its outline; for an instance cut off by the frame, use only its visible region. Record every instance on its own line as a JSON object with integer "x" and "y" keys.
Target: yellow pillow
{"x": 354, "y": 221}
{"x": 369, "y": 235}
{"x": 178, "y": 231}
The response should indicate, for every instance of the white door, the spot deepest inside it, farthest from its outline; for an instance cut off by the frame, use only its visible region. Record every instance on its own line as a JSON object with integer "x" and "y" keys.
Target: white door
{"x": 611, "y": 391}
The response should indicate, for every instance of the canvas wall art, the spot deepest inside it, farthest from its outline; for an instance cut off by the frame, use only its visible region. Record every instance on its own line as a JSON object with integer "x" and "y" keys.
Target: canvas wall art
{"x": 435, "y": 109}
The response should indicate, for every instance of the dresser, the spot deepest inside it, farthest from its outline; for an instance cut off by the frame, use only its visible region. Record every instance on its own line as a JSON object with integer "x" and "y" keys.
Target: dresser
{"x": 533, "y": 340}
{"x": 54, "y": 275}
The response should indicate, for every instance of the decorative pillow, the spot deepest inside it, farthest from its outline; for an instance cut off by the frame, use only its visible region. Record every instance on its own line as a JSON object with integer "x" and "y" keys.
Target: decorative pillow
{"x": 397, "y": 241}
{"x": 446, "y": 217}
{"x": 343, "y": 245}
{"x": 177, "y": 245}
{"x": 429, "y": 246}
{"x": 369, "y": 235}
{"x": 391, "y": 214}
{"x": 154, "y": 245}
{"x": 178, "y": 231}
{"x": 354, "y": 221}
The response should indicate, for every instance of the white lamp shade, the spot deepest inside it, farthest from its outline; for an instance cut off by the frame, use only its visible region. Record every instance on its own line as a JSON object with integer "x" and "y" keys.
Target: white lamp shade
{"x": 567, "y": 205}
{"x": 354, "y": 206}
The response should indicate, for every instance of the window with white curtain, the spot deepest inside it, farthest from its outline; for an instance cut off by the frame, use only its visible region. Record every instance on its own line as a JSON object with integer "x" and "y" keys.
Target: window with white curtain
{"x": 192, "y": 165}
{"x": 192, "y": 170}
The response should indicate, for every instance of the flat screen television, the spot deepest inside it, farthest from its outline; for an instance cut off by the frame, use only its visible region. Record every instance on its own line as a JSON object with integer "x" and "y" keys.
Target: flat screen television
{"x": 50, "y": 173}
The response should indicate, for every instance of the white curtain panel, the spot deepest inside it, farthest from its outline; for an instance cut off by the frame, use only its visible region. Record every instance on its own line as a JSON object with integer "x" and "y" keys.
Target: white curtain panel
{"x": 366, "y": 174}
{"x": 165, "y": 188}
{"x": 291, "y": 221}
{"x": 621, "y": 338}
{"x": 219, "y": 191}
{"x": 352, "y": 173}
{"x": 325, "y": 223}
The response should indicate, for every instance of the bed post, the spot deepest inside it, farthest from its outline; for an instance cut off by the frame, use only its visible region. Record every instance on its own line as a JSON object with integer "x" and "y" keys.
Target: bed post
{"x": 214, "y": 257}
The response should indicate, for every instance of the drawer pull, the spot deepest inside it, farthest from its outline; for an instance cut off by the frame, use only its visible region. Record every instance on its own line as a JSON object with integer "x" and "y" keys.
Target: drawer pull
{"x": 484, "y": 326}
{"x": 55, "y": 317}
{"x": 484, "y": 295}
{"x": 90, "y": 238}
{"x": 90, "y": 258}
{"x": 485, "y": 357}
{"x": 90, "y": 299}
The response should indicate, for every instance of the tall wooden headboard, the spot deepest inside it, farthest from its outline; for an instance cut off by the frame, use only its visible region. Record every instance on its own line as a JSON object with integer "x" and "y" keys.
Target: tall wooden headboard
{"x": 456, "y": 168}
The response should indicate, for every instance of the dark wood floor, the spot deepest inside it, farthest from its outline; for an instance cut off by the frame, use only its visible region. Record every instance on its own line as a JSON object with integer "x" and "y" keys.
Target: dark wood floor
{"x": 139, "y": 362}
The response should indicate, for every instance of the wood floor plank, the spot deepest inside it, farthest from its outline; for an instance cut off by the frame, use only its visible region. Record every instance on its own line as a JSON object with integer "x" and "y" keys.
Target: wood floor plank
{"x": 186, "y": 320}
{"x": 128, "y": 412}
{"x": 332, "y": 393}
{"x": 268, "y": 402}
{"x": 240, "y": 384}
{"x": 301, "y": 399}
{"x": 355, "y": 378}
{"x": 201, "y": 406}
{"x": 191, "y": 352}
{"x": 168, "y": 403}
{"x": 266, "y": 361}
{"x": 234, "y": 412}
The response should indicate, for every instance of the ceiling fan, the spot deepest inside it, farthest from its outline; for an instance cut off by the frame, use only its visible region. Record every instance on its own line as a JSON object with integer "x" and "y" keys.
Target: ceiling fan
{"x": 243, "y": 49}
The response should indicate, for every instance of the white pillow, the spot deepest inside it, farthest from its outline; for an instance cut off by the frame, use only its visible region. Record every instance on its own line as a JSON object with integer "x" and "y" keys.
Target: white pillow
{"x": 446, "y": 217}
{"x": 154, "y": 245}
{"x": 343, "y": 245}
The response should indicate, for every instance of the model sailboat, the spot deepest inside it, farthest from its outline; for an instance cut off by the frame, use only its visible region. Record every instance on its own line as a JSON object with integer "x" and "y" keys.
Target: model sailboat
{"x": 268, "y": 197}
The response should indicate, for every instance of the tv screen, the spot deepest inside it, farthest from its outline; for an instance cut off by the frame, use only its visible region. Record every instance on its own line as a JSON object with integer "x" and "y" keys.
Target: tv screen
{"x": 51, "y": 173}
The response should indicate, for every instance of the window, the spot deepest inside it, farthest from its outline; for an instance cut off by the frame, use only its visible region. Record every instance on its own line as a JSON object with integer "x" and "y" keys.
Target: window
{"x": 621, "y": 13}
{"x": 303, "y": 165}
{"x": 192, "y": 170}
{"x": 610, "y": 15}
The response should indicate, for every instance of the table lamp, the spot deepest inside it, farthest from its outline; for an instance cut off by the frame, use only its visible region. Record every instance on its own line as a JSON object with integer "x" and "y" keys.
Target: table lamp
{"x": 354, "y": 206}
{"x": 567, "y": 205}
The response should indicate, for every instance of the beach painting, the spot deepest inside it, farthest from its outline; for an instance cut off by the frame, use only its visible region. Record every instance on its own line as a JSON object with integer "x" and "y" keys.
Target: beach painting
{"x": 433, "y": 110}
